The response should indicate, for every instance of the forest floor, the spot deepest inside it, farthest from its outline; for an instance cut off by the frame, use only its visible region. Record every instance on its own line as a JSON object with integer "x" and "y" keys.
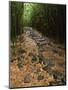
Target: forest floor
{"x": 36, "y": 61}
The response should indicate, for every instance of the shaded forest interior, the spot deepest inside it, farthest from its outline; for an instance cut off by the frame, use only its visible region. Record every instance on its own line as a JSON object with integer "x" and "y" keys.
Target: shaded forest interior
{"x": 37, "y": 44}
{"x": 48, "y": 19}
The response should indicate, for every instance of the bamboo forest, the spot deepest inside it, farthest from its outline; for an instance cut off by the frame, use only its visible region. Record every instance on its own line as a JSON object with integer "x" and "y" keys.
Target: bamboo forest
{"x": 37, "y": 44}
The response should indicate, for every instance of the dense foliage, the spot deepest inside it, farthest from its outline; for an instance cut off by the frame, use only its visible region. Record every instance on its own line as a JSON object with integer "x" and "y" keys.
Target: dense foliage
{"x": 49, "y": 19}
{"x": 16, "y": 11}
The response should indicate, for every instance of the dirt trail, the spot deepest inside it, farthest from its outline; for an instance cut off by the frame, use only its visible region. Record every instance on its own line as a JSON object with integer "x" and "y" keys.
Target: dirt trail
{"x": 36, "y": 61}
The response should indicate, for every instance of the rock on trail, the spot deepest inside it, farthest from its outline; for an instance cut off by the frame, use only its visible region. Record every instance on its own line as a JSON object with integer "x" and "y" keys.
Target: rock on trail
{"x": 36, "y": 61}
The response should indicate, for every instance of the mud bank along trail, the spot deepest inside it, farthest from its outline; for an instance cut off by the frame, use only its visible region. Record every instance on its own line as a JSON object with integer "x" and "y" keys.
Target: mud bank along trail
{"x": 36, "y": 61}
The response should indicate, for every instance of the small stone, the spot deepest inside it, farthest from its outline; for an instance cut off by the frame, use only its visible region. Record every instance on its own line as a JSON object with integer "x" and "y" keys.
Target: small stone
{"x": 40, "y": 77}
{"x": 42, "y": 59}
{"x": 34, "y": 58}
{"x": 48, "y": 64}
{"x": 57, "y": 75}
{"x": 21, "y": 51}
{"x": 63, "y": 80}
{"x": 54, "y": 50}
{"x": 27, "y": 79}
{"x": 30, "y": 54}
{"x": 38, "y": 70}
{"x": 41, "y": 49}
{"x": 20, "y": 62}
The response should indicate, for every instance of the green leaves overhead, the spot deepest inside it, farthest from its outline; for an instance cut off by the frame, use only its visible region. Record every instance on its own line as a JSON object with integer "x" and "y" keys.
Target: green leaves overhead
{"x": 49, "y": 19}
{"x": 16, "y": 9}
{"x": 28, "y": 11}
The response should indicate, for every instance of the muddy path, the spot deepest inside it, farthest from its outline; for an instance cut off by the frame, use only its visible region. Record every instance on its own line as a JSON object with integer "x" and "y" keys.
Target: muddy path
{"x": 36, "y": 61}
